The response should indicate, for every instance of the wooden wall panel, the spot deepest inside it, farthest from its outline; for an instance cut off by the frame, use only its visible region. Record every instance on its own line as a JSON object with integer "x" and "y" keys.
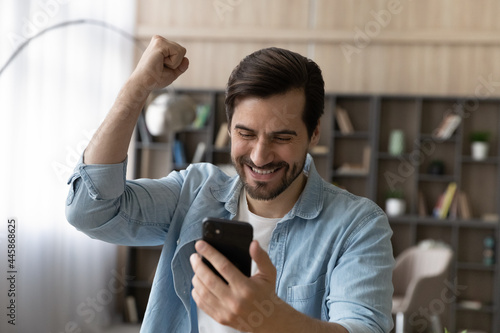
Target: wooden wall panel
{"x": 210, "y": 64}
{"x": 223, "y": 13}
{"x": 401, "y": 47}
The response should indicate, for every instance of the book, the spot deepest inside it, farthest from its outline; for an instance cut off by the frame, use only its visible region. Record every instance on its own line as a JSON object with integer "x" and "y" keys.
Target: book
{"x": 202, "y": 114}
{"x": 222, "y": 138}
{"x": 351, "y": 169}
{"x": 436, "y": 211}
{"x": 448, "y": 126}
{"x": 449, "y": 194}
{"x": 179, "y": 153}
{"x": 464, "y": 210}
{"x": 131, "y": 310}
{"x": 362, "y": 168}
{"x": 366, "y": 158}
{"x": 490, "y": 217}
{"x": 422, "y": 207}
{"x": 319, "y": 150}
{"x": 453, "y": 214}
{"x": 199, "y": 153}
{"x": 343, "y": 121}
{"x": 470, "y": 304}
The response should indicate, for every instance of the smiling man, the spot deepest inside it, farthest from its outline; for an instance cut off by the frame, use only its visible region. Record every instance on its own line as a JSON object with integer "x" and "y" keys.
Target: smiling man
{"x": 322, "y": 257}
{"x": 269, "y": 156}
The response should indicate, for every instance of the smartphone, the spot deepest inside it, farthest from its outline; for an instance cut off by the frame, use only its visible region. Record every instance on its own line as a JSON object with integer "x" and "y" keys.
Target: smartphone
{"x": 232, "y": 239}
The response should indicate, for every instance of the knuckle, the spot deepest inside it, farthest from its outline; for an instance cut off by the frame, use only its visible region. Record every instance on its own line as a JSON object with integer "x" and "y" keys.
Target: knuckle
{"x": 238, "y": 308}
{"x": 202, "y": 292}
{"x": 246, "y": 292}
{"x": 211, "y": 283}
{"x": 155, "y": 40}
{"x": 228, "y": 318}
{"x": 225, "y": 266}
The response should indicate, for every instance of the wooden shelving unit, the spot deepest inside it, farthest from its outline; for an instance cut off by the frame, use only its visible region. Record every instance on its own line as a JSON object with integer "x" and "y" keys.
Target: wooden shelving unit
{"x": 373, "y": 118}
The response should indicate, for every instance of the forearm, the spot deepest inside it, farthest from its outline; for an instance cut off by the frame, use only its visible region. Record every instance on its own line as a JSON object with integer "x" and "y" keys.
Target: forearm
{"x": 110, "y": 143}
{"x": 162, "y": 62}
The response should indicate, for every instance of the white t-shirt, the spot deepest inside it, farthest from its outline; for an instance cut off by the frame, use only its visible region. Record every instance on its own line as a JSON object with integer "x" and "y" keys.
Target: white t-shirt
{"x": 262, "y": 231}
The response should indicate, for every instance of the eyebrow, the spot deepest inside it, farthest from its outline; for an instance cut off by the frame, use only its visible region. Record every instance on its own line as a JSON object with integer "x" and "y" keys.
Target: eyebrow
{"x": 285, "y": 132}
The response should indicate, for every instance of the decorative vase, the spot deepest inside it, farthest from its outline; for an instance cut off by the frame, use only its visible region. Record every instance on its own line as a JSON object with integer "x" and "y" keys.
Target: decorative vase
{"x": 395, "y": 207}
{"x": 396, "y": 142}
{"x": 479, "y": 150}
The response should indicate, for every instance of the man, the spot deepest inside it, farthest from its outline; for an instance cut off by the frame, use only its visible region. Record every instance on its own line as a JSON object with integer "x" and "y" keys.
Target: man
{"x": 322, "y": 256}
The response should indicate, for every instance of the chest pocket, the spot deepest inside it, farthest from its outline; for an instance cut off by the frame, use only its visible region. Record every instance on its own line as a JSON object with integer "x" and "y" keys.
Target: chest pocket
{"x": 308, "y": 298}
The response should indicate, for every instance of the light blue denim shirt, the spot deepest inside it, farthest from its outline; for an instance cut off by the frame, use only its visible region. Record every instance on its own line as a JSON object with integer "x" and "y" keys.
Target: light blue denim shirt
{"x": 332, "y": 251}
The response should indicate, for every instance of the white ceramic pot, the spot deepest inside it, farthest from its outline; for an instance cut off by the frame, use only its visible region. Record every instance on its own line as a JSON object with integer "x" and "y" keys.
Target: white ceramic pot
{"x": 395, "y": 207}
{"x": 479, "y": 150}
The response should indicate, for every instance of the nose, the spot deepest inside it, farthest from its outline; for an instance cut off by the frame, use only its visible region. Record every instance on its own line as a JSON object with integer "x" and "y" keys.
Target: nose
{"x": 262, "y": 153}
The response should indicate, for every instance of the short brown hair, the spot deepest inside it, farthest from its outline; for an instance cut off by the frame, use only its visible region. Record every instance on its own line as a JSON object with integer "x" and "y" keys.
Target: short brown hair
{"x": 274, "y": 71}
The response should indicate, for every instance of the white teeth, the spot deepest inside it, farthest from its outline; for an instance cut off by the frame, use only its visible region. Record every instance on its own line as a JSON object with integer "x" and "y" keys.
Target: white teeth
{"x": 262, "y": 172}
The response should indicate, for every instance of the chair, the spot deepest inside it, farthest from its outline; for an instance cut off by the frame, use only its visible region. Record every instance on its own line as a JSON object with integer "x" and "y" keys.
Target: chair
{"x": 419, "y": 283}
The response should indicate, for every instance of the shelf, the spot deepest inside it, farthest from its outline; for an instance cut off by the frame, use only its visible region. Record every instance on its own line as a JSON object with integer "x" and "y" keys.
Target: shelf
{"x": 353, "y": 174}
{"x": 355, "y": 135}
{"x": 386, "y": 156}
{"x": 433, "y": 138}
{"x": 139, "y": 284}
{"x": 483, "y": 308}
{"x": 475, "y": 266}
{"x": 429, "y": 220}
{"x": 489, "y": 160}
{"x": 423, "y": 177}
{"x": 405, "y": 219}
{"x": 477, "y": 224}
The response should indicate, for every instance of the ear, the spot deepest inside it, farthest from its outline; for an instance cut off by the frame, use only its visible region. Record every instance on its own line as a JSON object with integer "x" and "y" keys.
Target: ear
{"x": 315, "y": 136}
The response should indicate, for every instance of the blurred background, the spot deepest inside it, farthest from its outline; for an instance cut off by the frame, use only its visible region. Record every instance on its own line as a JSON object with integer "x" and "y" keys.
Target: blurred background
{"x": 57, "y": 89}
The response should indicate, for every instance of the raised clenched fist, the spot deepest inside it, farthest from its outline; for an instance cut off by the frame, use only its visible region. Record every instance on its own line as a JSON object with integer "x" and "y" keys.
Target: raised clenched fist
{"x": 161, "y": 63}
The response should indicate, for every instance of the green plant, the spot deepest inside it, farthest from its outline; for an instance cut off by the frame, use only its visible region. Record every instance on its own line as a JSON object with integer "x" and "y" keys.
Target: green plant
{"x": 481, "y": 136}
{"x": 446, "y": 331}
{"x": 394, "y": 194}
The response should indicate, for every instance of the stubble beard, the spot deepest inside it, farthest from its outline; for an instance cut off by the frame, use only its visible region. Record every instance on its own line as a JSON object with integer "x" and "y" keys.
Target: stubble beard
{"x": 262, "y": 190}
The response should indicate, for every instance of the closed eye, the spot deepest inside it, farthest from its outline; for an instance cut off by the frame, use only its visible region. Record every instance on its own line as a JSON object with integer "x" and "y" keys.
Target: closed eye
{"x": 282, "y": 139}
{"x": 246, "y": 135}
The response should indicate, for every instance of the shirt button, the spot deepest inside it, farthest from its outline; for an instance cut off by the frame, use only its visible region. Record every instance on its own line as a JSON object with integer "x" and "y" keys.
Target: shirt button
{"x": 178, "y": 241}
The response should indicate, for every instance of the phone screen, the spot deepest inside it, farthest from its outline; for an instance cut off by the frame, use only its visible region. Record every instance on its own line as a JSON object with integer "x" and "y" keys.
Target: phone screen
{"x": 232, "y": 239}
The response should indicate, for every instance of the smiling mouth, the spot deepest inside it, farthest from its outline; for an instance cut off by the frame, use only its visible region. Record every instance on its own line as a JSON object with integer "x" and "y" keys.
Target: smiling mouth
{"x": 262, "y": 171}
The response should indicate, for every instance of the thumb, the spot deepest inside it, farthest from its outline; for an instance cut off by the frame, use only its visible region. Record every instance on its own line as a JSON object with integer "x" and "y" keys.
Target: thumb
{"x": 263, "y": 262}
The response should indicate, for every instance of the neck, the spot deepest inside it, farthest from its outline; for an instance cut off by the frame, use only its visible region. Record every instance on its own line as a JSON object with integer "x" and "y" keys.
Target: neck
{"x": 282, "y": 204}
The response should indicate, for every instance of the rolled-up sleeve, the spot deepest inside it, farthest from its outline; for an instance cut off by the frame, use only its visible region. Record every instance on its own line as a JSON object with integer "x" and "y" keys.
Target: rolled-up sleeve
{"x": 104, "y": 205}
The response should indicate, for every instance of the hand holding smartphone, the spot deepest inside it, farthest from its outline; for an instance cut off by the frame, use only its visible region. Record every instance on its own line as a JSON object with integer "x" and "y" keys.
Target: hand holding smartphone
{"x": 232, "y": 239}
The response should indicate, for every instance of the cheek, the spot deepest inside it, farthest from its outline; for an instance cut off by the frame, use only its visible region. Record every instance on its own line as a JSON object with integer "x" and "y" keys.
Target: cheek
{"x": 239, "y": 147}
{"x": 290, "y": 154}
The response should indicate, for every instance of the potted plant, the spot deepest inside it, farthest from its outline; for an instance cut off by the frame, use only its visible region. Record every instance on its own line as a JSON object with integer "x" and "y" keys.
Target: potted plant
{"x": 436, "y": 167}
{"x": 395, "y": 204}
{"x": 479, "y": 145}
